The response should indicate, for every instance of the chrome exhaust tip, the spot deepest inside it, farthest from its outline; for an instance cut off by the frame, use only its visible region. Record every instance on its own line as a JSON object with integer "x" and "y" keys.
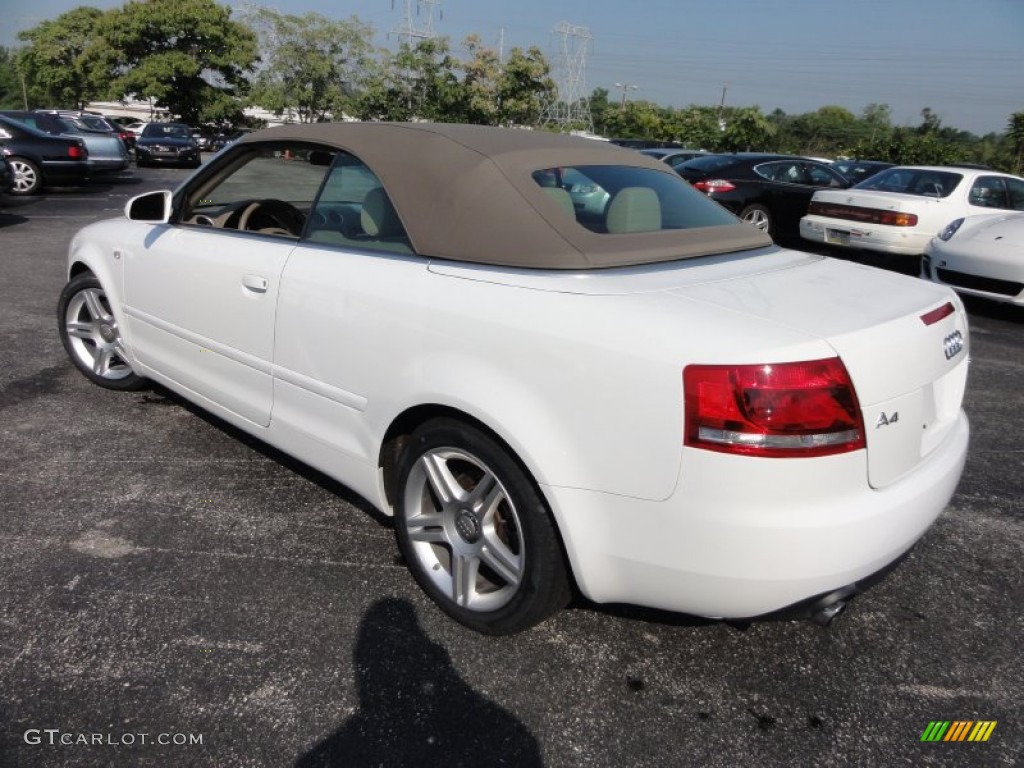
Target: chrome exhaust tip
{"x": 825, "y": 610}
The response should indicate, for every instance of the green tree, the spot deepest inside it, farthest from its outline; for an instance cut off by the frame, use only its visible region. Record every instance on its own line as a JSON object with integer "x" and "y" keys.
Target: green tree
{"x": 824, "y": 132}
{"x": 746, "y": 129}
{"x": 637, "y": 119}
{"x": 524, "y": 87}
{"x": 1015, "y": 135}
{"x": 186, "y": 56}
{"x": 311, "y": 64}
{"x": 418, "y": 82}
{"x": 599, "y": 109}
{"x": 56, "y": 60}
{"x": 694, "y": 127}
{"x": 11, "y": 93}
{"x": 482, "y": 73}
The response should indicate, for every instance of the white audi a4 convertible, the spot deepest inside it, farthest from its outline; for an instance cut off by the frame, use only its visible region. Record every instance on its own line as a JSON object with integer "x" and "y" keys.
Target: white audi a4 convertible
{"x": 553, "y": 361}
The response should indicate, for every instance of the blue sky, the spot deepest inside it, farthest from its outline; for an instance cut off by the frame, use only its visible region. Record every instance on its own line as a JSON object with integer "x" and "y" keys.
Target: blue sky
{"x": 962, "y": 58}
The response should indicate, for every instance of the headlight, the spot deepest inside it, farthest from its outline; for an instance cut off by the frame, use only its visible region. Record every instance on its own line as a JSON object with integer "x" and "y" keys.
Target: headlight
{"x": 950, "y": 229}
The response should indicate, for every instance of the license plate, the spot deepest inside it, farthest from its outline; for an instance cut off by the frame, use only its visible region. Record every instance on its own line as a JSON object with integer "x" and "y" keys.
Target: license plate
{"x": 837, "y": 236}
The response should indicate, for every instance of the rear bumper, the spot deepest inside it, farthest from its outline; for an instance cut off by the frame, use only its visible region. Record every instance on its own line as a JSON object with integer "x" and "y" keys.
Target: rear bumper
{"x": 870, "y": 237}
{"x": 108, "y": 166}
{"x": 744, "y": 537}
{"x": 70, "y": 172}
{"x": 977, "y": 284}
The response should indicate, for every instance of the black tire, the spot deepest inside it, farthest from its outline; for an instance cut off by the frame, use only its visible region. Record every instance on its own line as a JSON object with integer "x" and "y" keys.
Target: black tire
{"x": 760, "y": 217}
{"x": 89, "y": 333}
{"x": 495, "y": 527}
{"x": 27, "y": 179}
{"x": 141, "y": 164}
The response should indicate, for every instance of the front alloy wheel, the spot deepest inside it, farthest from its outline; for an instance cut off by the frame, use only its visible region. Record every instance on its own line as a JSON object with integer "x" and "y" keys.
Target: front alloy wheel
{"x": 475, "y": 532}
{"x": 89, "y": 332}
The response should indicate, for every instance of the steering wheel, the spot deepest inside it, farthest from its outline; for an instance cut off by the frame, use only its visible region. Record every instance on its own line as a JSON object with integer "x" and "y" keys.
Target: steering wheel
{"x": 287, "y": 218}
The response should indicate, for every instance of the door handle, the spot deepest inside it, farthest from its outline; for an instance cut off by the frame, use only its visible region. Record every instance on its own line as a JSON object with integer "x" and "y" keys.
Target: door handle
{"x": 255, "y": 283}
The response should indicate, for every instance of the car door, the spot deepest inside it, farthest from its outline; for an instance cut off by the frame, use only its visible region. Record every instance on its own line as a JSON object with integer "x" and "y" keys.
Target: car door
{"x": 201, "y": 294}
{"x": 335, "y": 326}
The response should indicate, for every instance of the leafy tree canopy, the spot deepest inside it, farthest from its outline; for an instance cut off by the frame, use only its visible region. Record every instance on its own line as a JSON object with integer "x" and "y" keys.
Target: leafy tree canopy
{"x": 56, "y": 62}
{"x": 312, "y": 65}
{"x": 186, "y": 56}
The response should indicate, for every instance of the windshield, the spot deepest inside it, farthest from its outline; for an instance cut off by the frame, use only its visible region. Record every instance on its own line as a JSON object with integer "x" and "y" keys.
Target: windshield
{"x": 166, "y": 131}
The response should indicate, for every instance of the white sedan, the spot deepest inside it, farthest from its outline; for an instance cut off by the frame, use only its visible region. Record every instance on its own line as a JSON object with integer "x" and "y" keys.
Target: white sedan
{"x": 646, "y": 399}
{"x": 981, "y": 256}
{"x": 897, "y": 211}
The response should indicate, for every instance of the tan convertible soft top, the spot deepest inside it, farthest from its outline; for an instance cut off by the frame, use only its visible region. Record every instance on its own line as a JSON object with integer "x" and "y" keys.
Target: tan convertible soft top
{"x": 466, "y": 192}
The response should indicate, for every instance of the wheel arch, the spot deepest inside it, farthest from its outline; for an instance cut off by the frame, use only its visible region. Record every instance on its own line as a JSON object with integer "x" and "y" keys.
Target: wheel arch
{"x": 406, "y": 422}
{"x": 409, "y": 420}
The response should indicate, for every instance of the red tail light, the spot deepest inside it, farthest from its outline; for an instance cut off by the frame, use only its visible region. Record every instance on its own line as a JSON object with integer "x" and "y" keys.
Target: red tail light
{"x": 866, "y": 215}
{"x": 77, "y": 152}
{"x": 710, "y": 186}
{"x": 782, "y": 410}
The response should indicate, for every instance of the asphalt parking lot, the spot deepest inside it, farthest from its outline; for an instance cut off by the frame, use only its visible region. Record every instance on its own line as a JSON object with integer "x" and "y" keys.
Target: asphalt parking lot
{"x": 175, "y": 593}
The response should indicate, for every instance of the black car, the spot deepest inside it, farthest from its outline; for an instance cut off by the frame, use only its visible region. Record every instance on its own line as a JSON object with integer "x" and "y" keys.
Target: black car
{"x": 673, "y": 157}
{"x": 772, "y": 192}
{"x": 858, "y": 170}
{"x": 38, "y": 159}
{"x": 170, "y": 143}
{"x": 229, "y": 136}
{"x": 107, "y": 153}
{"x": 6, "y": 175}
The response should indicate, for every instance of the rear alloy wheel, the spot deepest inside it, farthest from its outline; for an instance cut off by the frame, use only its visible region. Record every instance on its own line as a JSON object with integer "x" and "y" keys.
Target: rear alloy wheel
{"x": 27, "y": 178}
{"x": 759, "y": 216}
{"x": 475, "y": 531}
{"x": 89, "y": 332}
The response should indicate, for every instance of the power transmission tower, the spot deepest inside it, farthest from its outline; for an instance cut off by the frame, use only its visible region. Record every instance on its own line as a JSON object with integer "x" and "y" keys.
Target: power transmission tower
{"x": 408, "y": 31}
{"x": 570, "y": 109}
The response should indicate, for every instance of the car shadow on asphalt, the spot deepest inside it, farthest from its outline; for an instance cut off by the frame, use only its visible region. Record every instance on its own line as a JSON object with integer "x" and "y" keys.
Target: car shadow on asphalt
{"x": 414, "y": 708}
{"x": 993, "y": 309}
{"x": 9, "y": 220}
{"x": 156, "y": 395}
{"x": 108, "y": 182}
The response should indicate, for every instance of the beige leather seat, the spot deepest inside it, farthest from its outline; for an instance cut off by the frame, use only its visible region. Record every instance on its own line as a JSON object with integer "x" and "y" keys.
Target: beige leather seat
{"x": 634, "y": 209}
{"x": 562, "y": 198}
{"x": 378, "y": 217}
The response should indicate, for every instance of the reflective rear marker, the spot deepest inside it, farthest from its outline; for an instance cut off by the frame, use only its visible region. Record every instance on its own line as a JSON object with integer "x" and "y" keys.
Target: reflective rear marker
{"x": 930, "y": 318}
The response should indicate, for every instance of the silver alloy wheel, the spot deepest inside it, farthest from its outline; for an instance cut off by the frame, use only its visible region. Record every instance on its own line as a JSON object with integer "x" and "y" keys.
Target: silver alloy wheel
{"x": 464, "y": 529}
{"x": 26, "y": 177}
{"x": 94, "y": 336}
{"x": 759, "y": 218}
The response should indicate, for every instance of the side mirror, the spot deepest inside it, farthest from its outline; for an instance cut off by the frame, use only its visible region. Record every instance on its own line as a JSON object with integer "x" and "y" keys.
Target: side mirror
{"x": 153, "y": 207}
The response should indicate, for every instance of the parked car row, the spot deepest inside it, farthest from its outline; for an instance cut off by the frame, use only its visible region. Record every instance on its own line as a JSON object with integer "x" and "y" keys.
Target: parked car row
{"x": 53, "y": 148}
{"x": 943, "y": 213}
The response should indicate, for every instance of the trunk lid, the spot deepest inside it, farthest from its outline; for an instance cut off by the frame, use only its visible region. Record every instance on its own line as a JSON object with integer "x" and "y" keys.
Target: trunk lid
{"x": 909, "y": 369}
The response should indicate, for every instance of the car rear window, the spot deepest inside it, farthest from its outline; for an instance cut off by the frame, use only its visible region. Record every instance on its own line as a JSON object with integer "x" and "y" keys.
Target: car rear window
{"x": 619, "y": 199}
{"x": 913, "y": 181}
{"x": 708, "y": 163}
